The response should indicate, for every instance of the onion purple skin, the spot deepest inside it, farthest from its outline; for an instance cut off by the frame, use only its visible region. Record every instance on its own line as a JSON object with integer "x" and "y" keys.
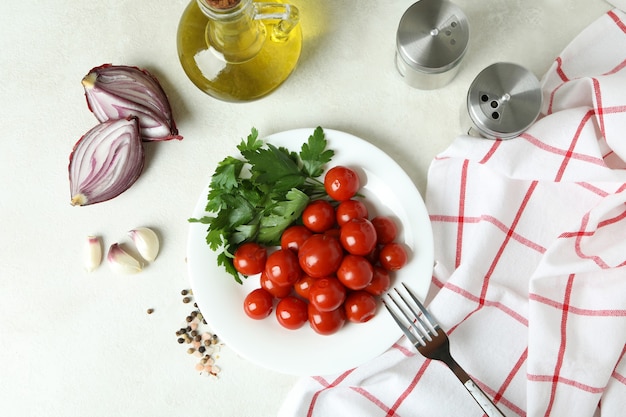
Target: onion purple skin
{"x": 120, "y": 91}
{"x": 106, "y": 161}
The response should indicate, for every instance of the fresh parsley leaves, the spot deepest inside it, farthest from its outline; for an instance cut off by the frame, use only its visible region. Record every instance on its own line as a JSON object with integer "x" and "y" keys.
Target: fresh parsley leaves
{"x": 255, "y": 197}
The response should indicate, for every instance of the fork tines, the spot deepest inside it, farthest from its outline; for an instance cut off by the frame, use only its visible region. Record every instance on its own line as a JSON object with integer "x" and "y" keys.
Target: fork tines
{"x": 419, "y": 325}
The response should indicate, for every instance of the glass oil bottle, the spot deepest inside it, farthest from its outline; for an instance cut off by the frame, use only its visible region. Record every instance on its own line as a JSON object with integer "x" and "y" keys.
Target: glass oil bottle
{"x": 239, "y": 50}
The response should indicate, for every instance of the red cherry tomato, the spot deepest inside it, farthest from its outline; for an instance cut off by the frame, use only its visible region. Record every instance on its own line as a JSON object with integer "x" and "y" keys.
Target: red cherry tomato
{"x": 350, "y": 209}
{"x": 360, "y": 306}
{"x": 386, "y": 229}
{"x": 393, "y": 256}
{"x": 274, "y": 289}
{"x": 293, "y": 237}
{"x": 327, "y": 294}
{"x": 303, "y": 286}
{"x": 282, "y": 267}
{"x": 341, "y": 183}
{"x": 381, "y": 281}
{"x": 319, "y": 216}
{"x": 326, "y": 322}
{"x": 358, "y": 236}
{"x": 320, "y": 255}
{"x": 292, "y": 313}
{"x": 355, "y": 272}
{"x": 258, "y": 304}
{"x": 250, "y": 258}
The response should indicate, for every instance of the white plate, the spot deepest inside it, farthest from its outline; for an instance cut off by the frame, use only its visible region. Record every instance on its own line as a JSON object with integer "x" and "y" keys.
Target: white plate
{"x": 387, "y": 190}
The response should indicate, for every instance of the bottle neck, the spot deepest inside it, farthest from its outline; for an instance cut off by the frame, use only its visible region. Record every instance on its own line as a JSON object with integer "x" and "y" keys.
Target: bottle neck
{"x": 233, "y": 31}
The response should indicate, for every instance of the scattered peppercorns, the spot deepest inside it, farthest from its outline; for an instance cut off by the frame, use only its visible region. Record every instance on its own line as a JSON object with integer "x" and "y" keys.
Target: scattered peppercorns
{"x": 203, "y": 344}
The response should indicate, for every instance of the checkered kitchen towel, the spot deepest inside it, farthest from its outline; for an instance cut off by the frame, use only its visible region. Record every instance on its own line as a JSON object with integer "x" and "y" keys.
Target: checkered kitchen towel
{"x": 530, "y": 243}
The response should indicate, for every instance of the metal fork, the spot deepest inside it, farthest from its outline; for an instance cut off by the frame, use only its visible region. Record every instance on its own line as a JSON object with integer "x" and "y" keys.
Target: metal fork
{"x": 431, "y": 341}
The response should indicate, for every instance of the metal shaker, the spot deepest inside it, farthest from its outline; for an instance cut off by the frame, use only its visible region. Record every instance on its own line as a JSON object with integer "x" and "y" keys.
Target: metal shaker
{"x": 504, "y": 100}
{"x": 432, "y": 38}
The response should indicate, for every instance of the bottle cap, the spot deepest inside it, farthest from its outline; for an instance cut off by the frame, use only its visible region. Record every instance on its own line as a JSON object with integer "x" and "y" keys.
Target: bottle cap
{"x": 504, "y": 100}
{"x": 431, "y": 41}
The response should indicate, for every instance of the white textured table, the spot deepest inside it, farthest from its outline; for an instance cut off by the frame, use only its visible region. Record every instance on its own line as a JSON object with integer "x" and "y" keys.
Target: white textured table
{"x": 79, "y": 344}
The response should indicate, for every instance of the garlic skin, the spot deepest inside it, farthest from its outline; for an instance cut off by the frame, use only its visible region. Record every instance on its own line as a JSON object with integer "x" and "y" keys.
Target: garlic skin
{"x": 121, "y": 261}
{"x": 146, "y": 241}
{"x": 105, "y": 162}
{"x": 93, "y": 253}
{"x": 119, "y": 91}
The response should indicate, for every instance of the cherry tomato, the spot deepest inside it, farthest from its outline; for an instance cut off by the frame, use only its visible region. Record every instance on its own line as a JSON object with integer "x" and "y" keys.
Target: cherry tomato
{"x": 326, "y": 322}
{"x": 320, "y": 255}
{"x": 355, "y": 272}
{"x": 293, "y": 237}
{"x": 250, "y": 258}
{"x": 258, "y": 304}
{"x": 327, "y": 294}
{"x": 386, "y": 229}
{"x": 274, "y": 289}
{"x": 360, "y": 306}
{"x": 393, "y": 256}
{"x": 282, "y": 267}
{"x": 381, "y": 281}
{"x": 341, "y": 183}
{"x": 303, "y": 286}
{"x": 350, "y": 209}
{"x": 358, "y": 236}
{"x": 292, "y": 313}
{"x": 319, "y": 216}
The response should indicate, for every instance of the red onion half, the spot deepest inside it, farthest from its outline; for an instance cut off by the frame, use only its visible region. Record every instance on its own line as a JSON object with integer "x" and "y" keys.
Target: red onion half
{"x": 119, "y": 91}
{"x": 106, "y": 161}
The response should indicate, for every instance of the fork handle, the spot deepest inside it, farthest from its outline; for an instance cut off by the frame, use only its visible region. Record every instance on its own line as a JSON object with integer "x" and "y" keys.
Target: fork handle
{"x": 481, "y": 398}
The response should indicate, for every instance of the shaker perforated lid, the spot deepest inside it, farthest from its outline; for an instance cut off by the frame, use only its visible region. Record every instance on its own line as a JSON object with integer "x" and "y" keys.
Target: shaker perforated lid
{"x": 504, "y": 100}
{"x": 432, "y": 36}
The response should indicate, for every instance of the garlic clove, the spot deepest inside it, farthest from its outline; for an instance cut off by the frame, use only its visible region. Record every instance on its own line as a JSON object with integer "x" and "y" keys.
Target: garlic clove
{"x": 121, "y": 261}
{"x": 119, "y": 91}
{"x": 146, "y": 241}
{"x": 93, "y": 253}
{"x": 105, "y": 162}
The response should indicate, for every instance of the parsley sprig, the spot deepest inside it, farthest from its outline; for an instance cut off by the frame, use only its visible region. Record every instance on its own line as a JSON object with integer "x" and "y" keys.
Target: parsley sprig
{"x": 255, "y": 197}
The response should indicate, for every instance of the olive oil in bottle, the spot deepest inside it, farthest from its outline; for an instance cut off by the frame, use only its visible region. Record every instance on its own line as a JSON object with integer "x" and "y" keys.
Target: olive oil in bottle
{"x": 238, "y": 50}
